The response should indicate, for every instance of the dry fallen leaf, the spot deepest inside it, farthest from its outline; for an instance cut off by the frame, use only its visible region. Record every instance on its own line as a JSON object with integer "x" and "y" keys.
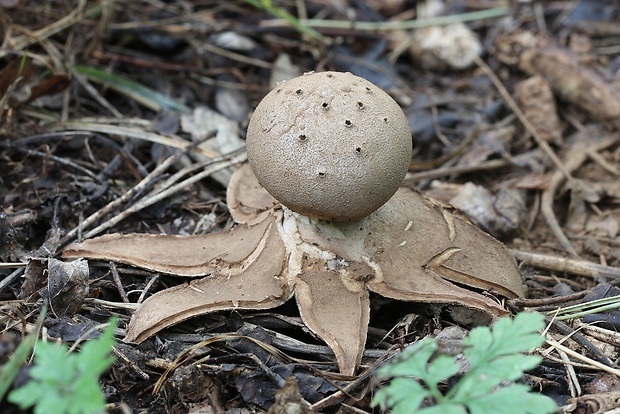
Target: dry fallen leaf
{"x": 63, "y": 284}
{"x": 560, "y": 68}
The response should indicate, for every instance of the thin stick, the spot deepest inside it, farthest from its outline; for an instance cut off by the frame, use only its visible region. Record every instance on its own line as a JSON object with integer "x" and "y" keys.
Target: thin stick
{"x": 118, "y": 283}
{"x": 576, "y": 156}
{"x": 138, "y": 188}
{"x": 583, "y": 358}
{"x": 218, "y": 165}
{"x": 413, "y": 178}
{"x": 573, "y": 382}
{"x": 4, "y": 283}
{"x": 526, "y": 123}
{"x": 561, "y": 264}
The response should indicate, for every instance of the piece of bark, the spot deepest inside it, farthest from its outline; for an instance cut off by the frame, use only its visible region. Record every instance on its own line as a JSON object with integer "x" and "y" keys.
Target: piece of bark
{"x": 569, "y": 79}
{"x": 538, "y": 104}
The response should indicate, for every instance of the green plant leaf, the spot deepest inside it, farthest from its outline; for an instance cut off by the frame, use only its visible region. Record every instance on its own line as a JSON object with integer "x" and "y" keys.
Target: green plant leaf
{"x": 494, "y": 355}
{"x": 47, "y": 357}
{"x": 440, "y": 369}
{"x": 95, "y": 355}
{"x": 53, "y": 404}
{"x": 402, "y": 394}
{"x": 507, "y": 337}
{"x": 11, "y": 369}
{"x": 513, "y": 399}
{"x": 495, "y": 358}
{"x": 88, "y": 396}
{"x": 67, "y": 383}
{"x": 25, "y": 396}
{"x": 411, "y": 362}
{"x": 446, "y": 408}
{"x": 482, "y": 379}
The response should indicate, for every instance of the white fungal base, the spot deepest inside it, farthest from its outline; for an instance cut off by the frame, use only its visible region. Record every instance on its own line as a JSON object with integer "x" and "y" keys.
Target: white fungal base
{"x": 298, "y": 248}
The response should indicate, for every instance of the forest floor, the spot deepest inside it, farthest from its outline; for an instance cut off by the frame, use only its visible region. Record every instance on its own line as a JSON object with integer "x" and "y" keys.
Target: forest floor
{"x": 514, "y": 109}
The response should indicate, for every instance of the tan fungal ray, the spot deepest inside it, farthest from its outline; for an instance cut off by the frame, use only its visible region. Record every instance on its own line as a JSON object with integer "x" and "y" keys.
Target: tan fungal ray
{"x": 197, "y": 255}
{"x": 335, "y": 312}
{"x": 412, "y": 248}
{"x": 247, "y": 200}
{"x": 409, "y": 239}
{"x": 259, "y": 286}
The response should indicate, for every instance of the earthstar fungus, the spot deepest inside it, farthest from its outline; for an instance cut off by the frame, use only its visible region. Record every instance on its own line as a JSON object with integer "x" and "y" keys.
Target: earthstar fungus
{"x": 411, "y": 248}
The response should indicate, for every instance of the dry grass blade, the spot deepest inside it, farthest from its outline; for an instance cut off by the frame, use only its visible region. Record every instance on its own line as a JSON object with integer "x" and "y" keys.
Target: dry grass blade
{"x": 138, "y": 188}
{"x": 170, "y": 141}
{"x": 594, "y": 364}
{"x": 71, "y": 19}
{"x": 134, "y": 90}
{"x": 188, "y": 354}
{"x": 212, "y": 166}
{"x": 394, "y": 25}
{"x": 586, "y": 308}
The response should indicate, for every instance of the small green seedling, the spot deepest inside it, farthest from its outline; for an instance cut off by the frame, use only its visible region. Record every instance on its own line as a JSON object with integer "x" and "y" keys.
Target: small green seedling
{"x": 67, "y": 383}
{"x": 496, "y": 360}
